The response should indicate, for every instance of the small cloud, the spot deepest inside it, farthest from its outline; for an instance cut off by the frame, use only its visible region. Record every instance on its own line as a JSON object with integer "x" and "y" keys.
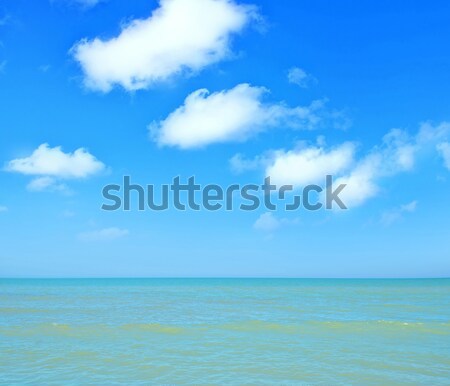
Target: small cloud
{"x": 269, "y": 223}
{"x": 51, "y": 165}
{"x": 88, "y": 3}
{"x": 239, "y": 164}
{"x": 44, "y": 68}
{"x": 394, "y": 215}
{"x": 411, "y": 207}
{"x": 300, "y": 77}
{"x": 105, "y": 234}
{"x": 41, "y": 184}
{"x": 84, "y": 4}
{"x": 3, "y": 209}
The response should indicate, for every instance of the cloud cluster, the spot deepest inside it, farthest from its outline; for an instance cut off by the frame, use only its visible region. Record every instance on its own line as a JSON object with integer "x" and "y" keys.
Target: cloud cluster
{"x": 51, "y": 165}
{"x": 362, "y": 175}
{"x": 228, "y": 115}
{"x": 180, "y": 36}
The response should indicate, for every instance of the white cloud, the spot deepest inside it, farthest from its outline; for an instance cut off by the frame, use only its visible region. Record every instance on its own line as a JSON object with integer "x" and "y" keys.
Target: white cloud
{"x": 47, "y": 161}
{"x": 395, "y": 155}
{"x": 228, "y": 115}
{"x": 180, "y": 36}
{"x": 362, "y": 176}
{"x": 46, "y": 183}
{"x": 83, "y": 4}
{"x": 51, "y": 165}
{"x": 444, "y": 149}
{"x": 398, "y": 153}
{"x": 269, "y": 223}
{"x": 394, "y": 215}
{"x": 300, "y": 77}
{"x": 87, "y": 3}
{"x": 3, "y": 209}
{"x": 239, "y": 164}
{"x": 309, "y": 165}
{"x": 105, "y": 234}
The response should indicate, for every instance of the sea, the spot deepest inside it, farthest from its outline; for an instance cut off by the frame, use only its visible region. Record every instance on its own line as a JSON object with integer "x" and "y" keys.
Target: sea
{"x": 108, "y": 332}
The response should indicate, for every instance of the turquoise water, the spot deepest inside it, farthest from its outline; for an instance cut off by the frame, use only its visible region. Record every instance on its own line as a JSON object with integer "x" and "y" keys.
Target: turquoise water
{"x": 224, "y": 331}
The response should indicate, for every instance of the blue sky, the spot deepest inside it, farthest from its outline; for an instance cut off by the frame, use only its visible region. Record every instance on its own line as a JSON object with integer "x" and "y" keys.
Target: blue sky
{"x": 297, "y": 90}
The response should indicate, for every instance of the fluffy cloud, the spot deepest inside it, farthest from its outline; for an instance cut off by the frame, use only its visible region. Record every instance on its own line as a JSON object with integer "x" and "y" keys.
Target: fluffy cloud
{"x": 397, "y": 153}
{"x": 52, "y": 164}
{"x": 105, "y": 234}
{"x": 47, "y": 161}
{"x": 309, "y": 165}
{"x": 179, "y": 36}
{"x": 300, "y": 77}
{"x": 228, "y": 115}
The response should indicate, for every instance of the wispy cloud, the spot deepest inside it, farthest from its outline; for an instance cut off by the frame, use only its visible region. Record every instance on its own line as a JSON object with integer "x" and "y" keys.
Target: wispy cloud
{"x": 396, "y": 214}
{"x": 106, "y": 234}
{"x": 46, "y": 183}
{"x": 180, "y": 36}
{"x": 83, "y": 4}
{"x": 444, "y": 149}
{"x": 5, "y": 19}
{"x": 3, "y": 208}
{"x": 300, "y": 77}
{"x": 269, "y": 223}
{"x": 44, "y": 68}
{"x": 3, "y": 66}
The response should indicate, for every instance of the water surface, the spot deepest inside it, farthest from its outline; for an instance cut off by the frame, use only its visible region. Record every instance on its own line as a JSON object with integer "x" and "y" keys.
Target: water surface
{"x": 224, "y": 331}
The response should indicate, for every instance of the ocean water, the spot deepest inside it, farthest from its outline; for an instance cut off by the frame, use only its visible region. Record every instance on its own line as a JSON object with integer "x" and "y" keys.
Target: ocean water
{"x": 224, "y": 332}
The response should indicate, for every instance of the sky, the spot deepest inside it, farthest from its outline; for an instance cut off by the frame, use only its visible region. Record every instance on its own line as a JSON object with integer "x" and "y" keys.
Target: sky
{"x": 229, "y": 92}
